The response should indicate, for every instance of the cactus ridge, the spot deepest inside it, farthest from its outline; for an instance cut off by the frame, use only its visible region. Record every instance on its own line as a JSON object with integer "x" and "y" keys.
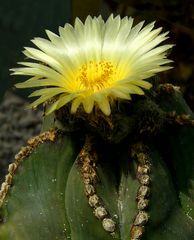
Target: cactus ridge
{"x": 139, "y": 152}
{"x": 25, "y": 152}
{"x": 87, "y": 161}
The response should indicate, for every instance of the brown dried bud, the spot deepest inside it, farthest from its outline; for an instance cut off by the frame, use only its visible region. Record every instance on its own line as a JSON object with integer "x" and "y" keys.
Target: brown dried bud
{"x": 87, "y": 180}
{"x": 142, "y": 204}
{"x": 18, "y": 156}
{"x": 12, "y": 168}
{"x": 33, "y": 141}
{"x": 2, "y": 194}
{"x": 136, "y": 232}
{"x": 93, "y": 200}
{"x": 89, "y": 189}
{"x": 25, "y": 151}
{"x": 5, "y": 187}
{"x": 100, "y": 212}
{"x": 108, "y": 225}
{"x": 144, "y": 179}
{"x": 141, "y": 218}
{"x": 143, "y": 169}
{"x": 143, "y": 192}
{"x": 8, "y": 178}
{"x": 87, "y": 169}
{"x": 142, "y": 158}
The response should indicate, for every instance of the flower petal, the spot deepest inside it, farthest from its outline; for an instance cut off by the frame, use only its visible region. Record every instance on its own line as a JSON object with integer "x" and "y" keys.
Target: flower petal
{"x": 88, "y": 104}
{"x": 75, "y": 104}
{"x": 46, "y": 91}
{"x": 59, "y": 103}
{"x": 105, "y": 106}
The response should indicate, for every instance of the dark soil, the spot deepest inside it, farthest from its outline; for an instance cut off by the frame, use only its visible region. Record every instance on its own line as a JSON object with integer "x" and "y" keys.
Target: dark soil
{"x": 16, "y": 126}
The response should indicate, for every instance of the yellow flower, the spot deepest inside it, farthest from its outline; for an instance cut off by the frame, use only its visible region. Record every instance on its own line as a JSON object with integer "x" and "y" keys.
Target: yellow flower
{"x": 94, "y": 63}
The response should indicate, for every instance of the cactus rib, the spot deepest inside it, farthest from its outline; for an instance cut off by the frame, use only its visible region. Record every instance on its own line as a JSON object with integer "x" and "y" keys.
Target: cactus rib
{"x": 87, "y": 161}
{"x": 139, "y": 152}
{"x": 24, "y": 152}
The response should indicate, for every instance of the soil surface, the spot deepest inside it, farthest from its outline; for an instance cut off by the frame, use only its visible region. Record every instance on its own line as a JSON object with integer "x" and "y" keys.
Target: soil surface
{"x": 17, "y": 125}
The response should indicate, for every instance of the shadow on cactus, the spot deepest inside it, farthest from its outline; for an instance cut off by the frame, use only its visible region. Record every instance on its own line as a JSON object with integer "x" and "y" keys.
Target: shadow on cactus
{"x": 115, "y": 158}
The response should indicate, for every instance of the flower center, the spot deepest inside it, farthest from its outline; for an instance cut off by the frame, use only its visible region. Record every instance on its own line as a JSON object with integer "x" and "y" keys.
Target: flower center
{"x": 96, "y": 75}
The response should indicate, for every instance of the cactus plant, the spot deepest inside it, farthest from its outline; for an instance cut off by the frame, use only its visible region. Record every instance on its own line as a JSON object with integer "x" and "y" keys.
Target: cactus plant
{"x": 96, "y": 174}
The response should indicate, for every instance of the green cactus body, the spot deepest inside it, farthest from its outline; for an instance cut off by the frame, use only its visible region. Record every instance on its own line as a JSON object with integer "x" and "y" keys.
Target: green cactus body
{"x": 105, "y": 188}
{"x": 179, "y": 151}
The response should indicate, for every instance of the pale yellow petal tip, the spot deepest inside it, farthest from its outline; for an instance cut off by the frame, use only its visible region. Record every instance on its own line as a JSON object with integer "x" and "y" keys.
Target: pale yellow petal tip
{"x": 30, "y": 106}
{"x": 20, "y": 85}
{"x": 49, "y": 111}
{"x": 12, "y": 70}
{"x": 148, "y": 86}
{"x": 88, "y": 110}
{"x": 32, "y": 95}
{"x": 104, "y": 106}
{"x": 107, "y": 112}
